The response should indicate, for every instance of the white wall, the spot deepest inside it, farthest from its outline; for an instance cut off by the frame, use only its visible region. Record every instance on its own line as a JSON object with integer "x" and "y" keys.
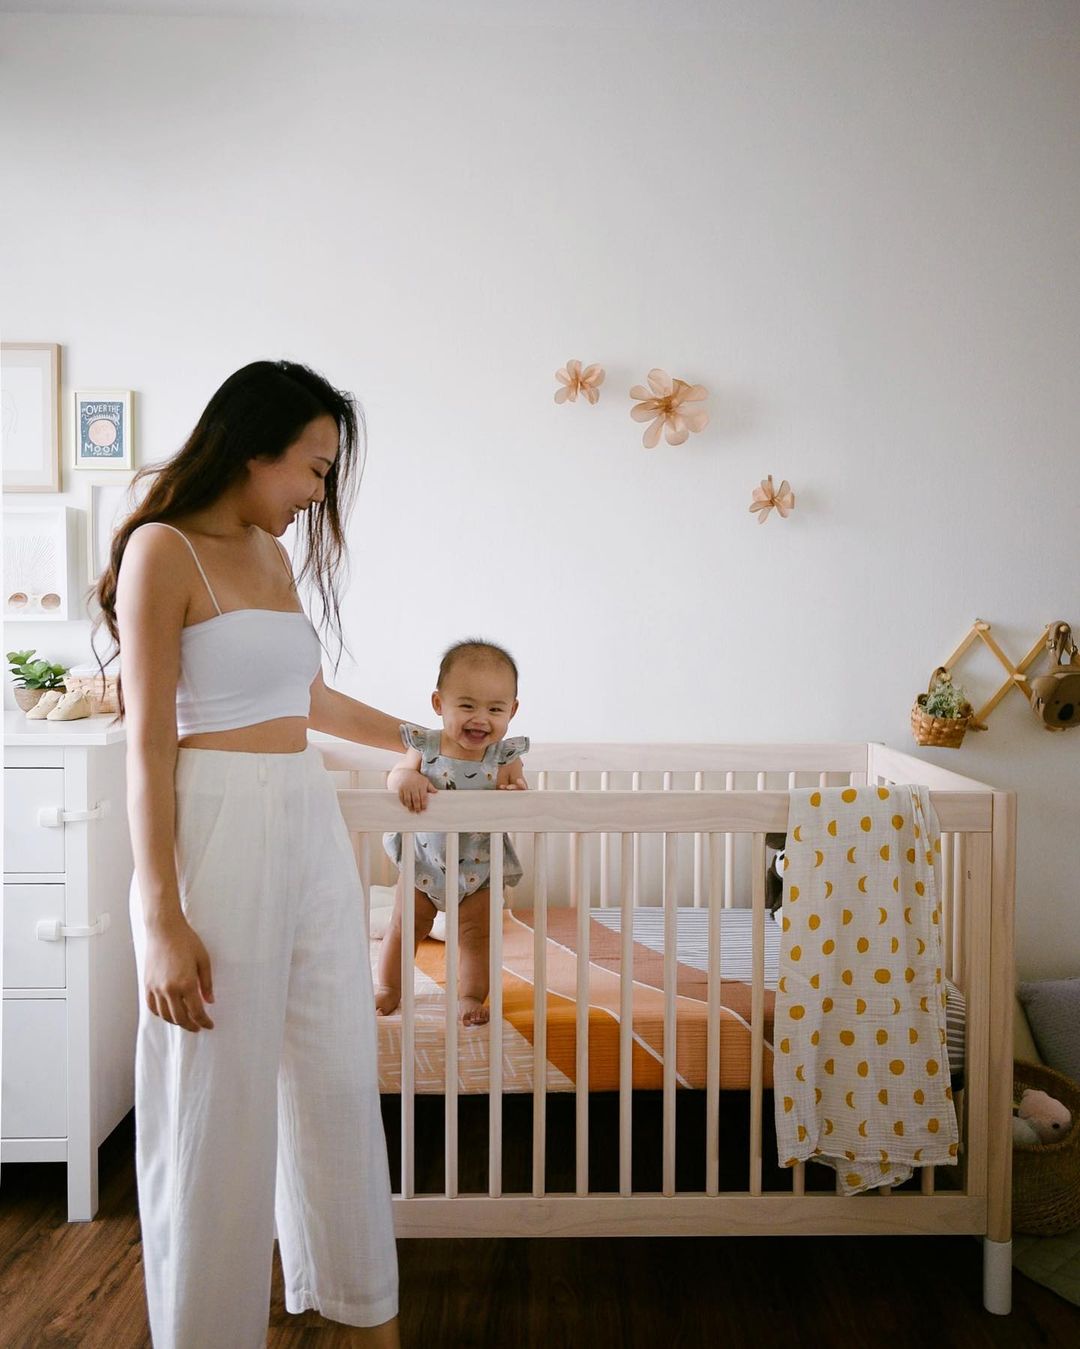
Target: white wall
{"x": 855, "y": 224}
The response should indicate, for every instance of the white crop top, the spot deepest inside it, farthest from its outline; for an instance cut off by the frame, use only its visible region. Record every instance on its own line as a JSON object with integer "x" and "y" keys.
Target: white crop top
{"x": 244, "y": 666}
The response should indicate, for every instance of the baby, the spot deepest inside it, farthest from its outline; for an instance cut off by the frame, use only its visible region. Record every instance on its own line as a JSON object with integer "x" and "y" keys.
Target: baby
{"x": 476, "y": 697}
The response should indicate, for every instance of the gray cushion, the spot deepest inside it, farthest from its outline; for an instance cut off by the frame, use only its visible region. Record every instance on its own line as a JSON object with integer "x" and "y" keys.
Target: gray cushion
{"x": 1053, "y": 1012}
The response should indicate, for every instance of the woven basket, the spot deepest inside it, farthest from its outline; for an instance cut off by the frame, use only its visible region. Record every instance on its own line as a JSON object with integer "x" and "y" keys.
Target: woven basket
{"x": 102, "y": 695}
{"x": 1046, "y": 1176}
{"x": 940, "y": 732}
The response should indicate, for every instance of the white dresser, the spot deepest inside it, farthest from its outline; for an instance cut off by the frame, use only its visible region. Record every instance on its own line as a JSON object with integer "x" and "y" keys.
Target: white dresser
{"x": 70, "y": 997}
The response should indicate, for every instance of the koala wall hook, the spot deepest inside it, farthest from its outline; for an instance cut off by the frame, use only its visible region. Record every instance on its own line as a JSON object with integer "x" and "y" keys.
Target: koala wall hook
{"x": 1055, "y": 696}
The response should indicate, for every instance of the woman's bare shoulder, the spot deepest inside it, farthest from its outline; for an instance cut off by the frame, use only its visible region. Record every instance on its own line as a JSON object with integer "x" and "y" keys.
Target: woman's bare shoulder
{"x": 153, "y": 563}
{"x": 154, "y": 538}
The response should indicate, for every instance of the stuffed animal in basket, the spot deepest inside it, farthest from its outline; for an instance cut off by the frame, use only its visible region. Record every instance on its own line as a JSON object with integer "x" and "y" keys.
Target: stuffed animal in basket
{"x": 1040, "y": 1118}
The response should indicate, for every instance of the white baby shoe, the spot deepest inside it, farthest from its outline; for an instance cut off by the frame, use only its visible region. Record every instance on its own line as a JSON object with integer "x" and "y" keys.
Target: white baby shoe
{"x": 44, "y": 705}
{"x": 71, "y": 707}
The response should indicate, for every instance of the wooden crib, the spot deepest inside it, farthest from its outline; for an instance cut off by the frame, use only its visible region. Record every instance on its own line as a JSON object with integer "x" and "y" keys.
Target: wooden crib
{"x": 685, "y": 825}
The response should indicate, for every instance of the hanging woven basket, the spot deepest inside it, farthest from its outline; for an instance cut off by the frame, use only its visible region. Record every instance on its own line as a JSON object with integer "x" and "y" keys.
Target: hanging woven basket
{"x": 939, "y": 732}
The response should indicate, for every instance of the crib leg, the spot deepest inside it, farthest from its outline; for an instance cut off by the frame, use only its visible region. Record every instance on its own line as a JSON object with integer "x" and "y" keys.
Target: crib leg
{"x": 997, "y": 1276}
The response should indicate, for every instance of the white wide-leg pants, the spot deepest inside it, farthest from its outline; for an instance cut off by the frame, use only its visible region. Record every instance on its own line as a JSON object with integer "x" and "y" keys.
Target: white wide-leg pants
{"x": 281, "y": 1097}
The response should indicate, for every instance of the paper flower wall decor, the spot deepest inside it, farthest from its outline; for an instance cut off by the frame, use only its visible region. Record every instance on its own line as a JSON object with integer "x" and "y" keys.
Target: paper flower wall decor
{"x": 664, "y": 408}
{"x": 575, "y": 380}
{"x": 767, "y": 496}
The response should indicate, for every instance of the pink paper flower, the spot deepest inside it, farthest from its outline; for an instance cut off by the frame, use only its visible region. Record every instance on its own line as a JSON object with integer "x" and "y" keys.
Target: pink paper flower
{"x": 767, "y": 496}
{"x": 575, "y": 380}
{"x": 663, "y": 406}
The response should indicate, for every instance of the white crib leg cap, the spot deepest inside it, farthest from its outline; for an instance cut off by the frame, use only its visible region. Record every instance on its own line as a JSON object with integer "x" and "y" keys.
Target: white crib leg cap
{"x": 997, "y": 1276}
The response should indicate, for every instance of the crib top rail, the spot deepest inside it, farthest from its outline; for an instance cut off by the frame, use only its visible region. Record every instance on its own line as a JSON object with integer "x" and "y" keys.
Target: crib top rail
{"x": 586, "y": 812}
{"x": 897, "y": 766}
{"x": 855, "y": 761}
{"x": 616, "y": 757}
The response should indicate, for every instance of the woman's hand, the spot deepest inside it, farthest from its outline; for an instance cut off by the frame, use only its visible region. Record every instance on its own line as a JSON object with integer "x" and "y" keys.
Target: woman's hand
{"x": 177, "y": 978}
{"x": 412, "y": 787}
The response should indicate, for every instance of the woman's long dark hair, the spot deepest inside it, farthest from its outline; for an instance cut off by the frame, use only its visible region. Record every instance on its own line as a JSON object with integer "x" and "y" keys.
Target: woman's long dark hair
{"x": 256, "y": 414}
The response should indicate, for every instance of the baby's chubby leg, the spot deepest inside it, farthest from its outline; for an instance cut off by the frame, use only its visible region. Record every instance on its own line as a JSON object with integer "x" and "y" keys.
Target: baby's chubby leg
{"x": 474, "y": 923}
{"x": 388, "y": 989}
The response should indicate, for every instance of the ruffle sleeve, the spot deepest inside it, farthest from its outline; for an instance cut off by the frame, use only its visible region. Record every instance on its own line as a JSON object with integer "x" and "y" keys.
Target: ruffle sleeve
{"x": 512, "y": 748}
{"x": 418, "y": 738}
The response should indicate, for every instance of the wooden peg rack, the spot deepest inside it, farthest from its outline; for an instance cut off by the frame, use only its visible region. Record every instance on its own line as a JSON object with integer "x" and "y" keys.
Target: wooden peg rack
{"x": 1016, "y": 675}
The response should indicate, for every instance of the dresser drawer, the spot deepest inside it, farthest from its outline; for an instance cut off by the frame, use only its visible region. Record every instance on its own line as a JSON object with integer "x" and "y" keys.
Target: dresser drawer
{"x": 33, "y": 1094}
{"x": 28, "y": 846}
{"x": 29, "y": 963}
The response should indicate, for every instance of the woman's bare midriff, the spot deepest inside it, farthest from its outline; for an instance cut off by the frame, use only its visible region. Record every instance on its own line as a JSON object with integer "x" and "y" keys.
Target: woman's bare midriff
{"x": 284, "y": 735}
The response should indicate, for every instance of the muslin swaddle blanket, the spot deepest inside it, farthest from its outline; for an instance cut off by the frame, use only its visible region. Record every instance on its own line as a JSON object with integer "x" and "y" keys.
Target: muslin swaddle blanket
{"x": 860, "y": 1071}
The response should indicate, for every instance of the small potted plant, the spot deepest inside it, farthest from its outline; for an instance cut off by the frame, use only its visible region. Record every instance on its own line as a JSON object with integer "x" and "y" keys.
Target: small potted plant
{"x": 33, "y": 677}
{"x": 942, "y": 714}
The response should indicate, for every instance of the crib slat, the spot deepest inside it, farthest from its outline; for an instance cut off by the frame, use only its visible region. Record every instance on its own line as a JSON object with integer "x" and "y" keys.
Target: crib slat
{"x": 712, "y": 1084}
{"x": 959, "y": 896}
{"x": 671, "y": 915}
{"x": 362, "y": 849}
{"x": 699, "y": 853}
{"x": 798, "y": 1178}
{"x": 408, "y": 1016}
{"x": 626, "y": 1011}
{"x": 575, "y": 853}
{"x": 947, "y": 912}
{"x": 729, "y": 852}
{"x": 354, "y": 786}
{"x": 495, "y": 1022}
{"x": 635, "y": 786}
{"x": 539, "y": 1013}
{"x": 605, "y": 783}
{"x": 757, "y": 1013}
{"x": 974, "y": 972}
{"x": 581, "y": 1057}
{"x": 452, "y": 1014}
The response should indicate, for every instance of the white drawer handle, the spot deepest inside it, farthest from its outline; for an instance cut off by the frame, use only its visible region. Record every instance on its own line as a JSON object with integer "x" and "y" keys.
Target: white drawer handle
{"x": 53, "y": 929}
{"x": 52, "y": 817}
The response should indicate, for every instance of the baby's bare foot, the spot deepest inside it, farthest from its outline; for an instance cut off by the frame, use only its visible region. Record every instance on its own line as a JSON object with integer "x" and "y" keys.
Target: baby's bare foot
{"x": 473, "y": 1012}
{"x": 386, "y": 999}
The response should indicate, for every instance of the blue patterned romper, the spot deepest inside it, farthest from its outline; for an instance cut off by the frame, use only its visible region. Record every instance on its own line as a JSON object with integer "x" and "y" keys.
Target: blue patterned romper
{"x": 447, "y": 774}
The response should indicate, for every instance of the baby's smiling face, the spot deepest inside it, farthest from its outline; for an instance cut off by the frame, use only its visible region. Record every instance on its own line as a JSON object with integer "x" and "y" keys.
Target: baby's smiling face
{"x": 476, "y": 703}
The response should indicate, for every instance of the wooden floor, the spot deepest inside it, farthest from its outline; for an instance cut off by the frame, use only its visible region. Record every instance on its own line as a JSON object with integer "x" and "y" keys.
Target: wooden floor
{"x": 81, "y": 1285}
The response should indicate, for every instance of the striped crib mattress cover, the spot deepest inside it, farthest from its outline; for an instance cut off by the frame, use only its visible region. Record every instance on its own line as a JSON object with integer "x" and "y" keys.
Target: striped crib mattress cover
{"x": 604, "y": 954}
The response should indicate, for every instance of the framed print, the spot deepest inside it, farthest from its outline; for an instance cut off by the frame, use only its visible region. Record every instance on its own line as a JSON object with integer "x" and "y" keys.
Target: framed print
{"x": 103, "y": 429}
{"x": 30, "y": 415}
{"x": 108, "y": 503}
{"x": 41, "y": 579}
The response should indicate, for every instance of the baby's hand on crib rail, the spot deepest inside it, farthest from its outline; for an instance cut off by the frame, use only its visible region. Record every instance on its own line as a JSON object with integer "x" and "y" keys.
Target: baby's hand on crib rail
{"x": 519, "y": 786}
{"x": 412, "y": 787}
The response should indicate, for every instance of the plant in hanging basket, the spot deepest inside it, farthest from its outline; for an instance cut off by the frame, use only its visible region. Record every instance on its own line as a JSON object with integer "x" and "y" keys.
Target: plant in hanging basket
{"x": 942, "y": 714}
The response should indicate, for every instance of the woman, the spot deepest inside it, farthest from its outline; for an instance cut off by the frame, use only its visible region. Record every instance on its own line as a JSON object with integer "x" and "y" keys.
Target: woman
{"x": 256, "y": 1061}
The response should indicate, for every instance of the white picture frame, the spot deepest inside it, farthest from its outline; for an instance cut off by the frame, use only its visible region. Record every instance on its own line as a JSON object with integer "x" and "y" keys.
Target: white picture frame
{"x": 30, "y": 415}
{"x": 41, "y": 571}
{"x": 103, "y": 430}
{"x": 108, "y": 501}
